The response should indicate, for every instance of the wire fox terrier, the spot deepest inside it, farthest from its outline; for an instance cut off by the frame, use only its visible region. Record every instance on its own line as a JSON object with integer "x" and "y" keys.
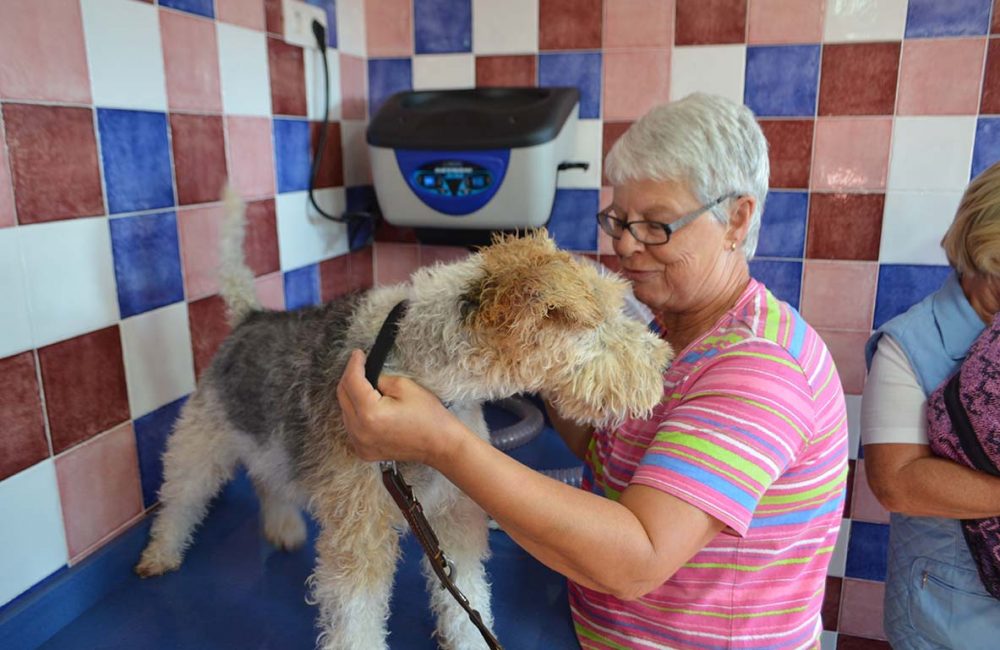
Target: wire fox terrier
{"x": 519, "y": 316}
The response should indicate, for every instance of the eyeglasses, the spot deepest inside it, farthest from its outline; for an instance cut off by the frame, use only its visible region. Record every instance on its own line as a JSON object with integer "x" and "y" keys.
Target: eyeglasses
{"x": 652, "y": 233}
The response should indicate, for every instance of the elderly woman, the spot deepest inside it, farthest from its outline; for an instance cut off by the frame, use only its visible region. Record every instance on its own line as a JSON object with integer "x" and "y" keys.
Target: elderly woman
{"x": 711, "y": 524}
{"x": 934, "y": 597}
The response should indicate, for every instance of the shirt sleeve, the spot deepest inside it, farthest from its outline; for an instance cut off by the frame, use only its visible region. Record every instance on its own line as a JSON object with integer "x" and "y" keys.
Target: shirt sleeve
{"x": 893, "y": 407}
{"x": 735, "y": 429}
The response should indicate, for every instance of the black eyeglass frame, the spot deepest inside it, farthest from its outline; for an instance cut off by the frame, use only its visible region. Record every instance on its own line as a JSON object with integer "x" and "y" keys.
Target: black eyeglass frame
{"x": 606, "y": 222}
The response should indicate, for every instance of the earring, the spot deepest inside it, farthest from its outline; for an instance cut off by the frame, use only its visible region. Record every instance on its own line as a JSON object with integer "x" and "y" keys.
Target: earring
{"x": 732, "y": 246}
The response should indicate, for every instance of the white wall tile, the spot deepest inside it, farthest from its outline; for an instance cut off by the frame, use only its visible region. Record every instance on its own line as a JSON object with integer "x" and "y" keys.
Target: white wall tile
{"x": 159, "y": 367}
{"x": 304, "y": 237}
{"x": 243, "y": 70}
{"x": 441, "y": 71}
{"x": 715, "y": 69}
{"x": 828, "y": 640}
{"x": 864, "y": 20}
{"x": 314, "y": 83}
{"x": 351, "y": 27}
{"x": 838, "y": 561}
{"x": 70, "y": 278}
{"x": 357, "y": 166}
{"x": 125, "y": 54}
{"x": 509, "y": 27}
{"x": 15, "y": 331}
{"x": 853, "y": 425}
{"x": 913, "y": 225}
{"x": 32, "y": 535}
{"x": 588, "y": 149}
{"x": 931, "y": 153}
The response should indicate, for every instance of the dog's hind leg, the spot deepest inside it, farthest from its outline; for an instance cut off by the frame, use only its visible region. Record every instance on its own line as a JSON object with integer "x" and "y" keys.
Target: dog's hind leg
{"x": 199, "y": 459}
{"x": 284, "y": 526}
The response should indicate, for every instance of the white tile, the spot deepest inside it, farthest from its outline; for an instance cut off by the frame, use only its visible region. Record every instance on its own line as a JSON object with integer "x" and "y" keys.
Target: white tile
{"x": 15, "y": 334}
{"x": 351, "y": 27}
{"x": 588, "y": 149}
{"x": 124, "y": 54}
{"x": 715, "y": 69}
{"x": 304, "y": 237}
{"x": 853, "y": 425}
{"x": 246, "y": 85}
{"x": 70, "y": 277}
{"x": 838, "y": 561}
{"x": 509, "y": 27}
{"x": 828, "y": 640}
{"x": 443, "y": 71}
{"x": 913, "y": 225}
{"x": 32, "y": 535}
{"x": 931, "y": 153}
{"x": 159, "y": 366}
{"x": 314, "y": 83}
{"x": 357, "y": 166}
{"x": 864, "y": 20}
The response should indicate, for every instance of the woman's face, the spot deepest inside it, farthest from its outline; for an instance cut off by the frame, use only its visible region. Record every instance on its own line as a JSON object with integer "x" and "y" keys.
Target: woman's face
{"x": 680, "y": 275}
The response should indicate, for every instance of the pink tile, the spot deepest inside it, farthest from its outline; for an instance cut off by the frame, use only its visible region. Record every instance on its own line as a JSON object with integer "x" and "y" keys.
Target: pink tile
{"x": 394, "y": 262}
{"x": 6, "y": 186}
{"x": 251, "y": 155}
{"x": 190, "y": 62}
{"x": 245, "y": 13}
{"x": 624, "y": 99}
{"x": 826, "y": 303}
{"x": 851, "y": 153}
{"x": 22, "y": 423}
{"x": 99, "y": 490}
{"x": 940, "y": 76}
{"x": 866, "y": 507}
{"x": 785, "y": 21}
{"x": 286, "y": 64}
{"x": 199, "y": 149}
{"x": 42, "y": 55}
{"x": 261, "y": 243}
{"x": 389, "y": 27}
{"x": 271, "y": 291}
{"x": 362, "y": 269}
{"x": 848, "y": 351}
{"x": 208, "y": 326}
{"x": 430, "y": 255}
{"x": 605, "y": 245}
{"x": 638, "y": 23}
{"x": 199, "y": 231}
{"x": 861, "y": 608}
{"x": 352, "y": 87}
{"x": 334, "y": 277}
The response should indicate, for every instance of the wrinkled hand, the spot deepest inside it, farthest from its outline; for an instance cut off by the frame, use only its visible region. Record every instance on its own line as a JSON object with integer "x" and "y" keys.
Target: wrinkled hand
{"x": 400, "y": 421}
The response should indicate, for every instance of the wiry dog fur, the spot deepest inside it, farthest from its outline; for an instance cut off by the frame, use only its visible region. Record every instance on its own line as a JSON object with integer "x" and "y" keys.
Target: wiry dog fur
{"x": 519, "y": 316}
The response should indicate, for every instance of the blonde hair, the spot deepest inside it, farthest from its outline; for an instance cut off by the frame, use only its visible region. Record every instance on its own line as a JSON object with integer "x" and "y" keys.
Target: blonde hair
{"x": 972, "y": 242}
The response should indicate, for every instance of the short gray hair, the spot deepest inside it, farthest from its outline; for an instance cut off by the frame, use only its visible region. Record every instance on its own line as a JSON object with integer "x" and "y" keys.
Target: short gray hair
{"x": 712, "y": 144}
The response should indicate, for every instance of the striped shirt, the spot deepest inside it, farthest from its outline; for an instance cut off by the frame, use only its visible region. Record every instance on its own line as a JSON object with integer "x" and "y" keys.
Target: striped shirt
{"x": 752, "y": 430}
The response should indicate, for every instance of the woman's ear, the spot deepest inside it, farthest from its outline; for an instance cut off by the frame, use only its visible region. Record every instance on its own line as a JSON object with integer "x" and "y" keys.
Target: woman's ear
{"x": 740, "y": 217}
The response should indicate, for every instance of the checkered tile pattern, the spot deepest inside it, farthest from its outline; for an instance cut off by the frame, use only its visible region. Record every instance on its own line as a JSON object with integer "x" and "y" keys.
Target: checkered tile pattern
{"x": 115, "y": 136}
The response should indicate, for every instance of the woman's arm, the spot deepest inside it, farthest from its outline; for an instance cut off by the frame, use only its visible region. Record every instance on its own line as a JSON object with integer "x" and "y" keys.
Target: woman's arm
{"x": 625, "y": 548}
{"x": 576, "y": 436}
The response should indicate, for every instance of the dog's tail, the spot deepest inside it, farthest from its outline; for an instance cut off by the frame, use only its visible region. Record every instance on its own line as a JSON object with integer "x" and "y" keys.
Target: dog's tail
{"x": 235, "y": 277}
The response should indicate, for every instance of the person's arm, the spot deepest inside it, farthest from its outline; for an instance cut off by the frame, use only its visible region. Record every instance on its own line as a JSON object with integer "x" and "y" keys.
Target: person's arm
{"x": 902, "y": 473}
{"x": 625, "y": 548}
{"x": 576, "y": 436}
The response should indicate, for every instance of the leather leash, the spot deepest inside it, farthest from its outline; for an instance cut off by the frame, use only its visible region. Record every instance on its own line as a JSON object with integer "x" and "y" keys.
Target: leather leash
{"x": 402, "y": 493}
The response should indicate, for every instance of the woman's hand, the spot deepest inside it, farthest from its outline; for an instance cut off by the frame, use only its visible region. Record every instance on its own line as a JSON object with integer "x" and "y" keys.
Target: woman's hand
{"x": 399, "y": 421}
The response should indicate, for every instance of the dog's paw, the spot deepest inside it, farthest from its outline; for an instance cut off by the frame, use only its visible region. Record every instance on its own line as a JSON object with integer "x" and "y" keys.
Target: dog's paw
{"x": 155, "y": 563}
{"x": 286, "y": 531}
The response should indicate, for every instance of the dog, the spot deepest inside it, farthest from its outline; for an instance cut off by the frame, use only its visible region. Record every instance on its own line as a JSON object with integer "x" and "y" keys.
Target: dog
{"x": 518, "y": 316}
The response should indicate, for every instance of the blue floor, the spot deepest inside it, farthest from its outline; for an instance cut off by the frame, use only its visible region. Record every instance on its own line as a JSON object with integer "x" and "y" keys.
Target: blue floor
{"x": 236, "y": 591}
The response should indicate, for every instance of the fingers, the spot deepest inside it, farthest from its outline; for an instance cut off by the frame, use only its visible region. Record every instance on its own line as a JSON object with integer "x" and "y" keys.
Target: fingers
{"x": 353, "y": 384}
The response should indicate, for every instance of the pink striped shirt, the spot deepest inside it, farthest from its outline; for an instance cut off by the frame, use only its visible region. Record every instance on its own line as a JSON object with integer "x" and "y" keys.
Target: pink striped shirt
{"x": 752, "y": 430}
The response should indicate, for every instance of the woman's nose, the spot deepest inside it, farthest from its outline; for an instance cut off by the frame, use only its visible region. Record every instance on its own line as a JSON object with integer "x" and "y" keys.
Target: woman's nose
{"x": 627, "y": 244}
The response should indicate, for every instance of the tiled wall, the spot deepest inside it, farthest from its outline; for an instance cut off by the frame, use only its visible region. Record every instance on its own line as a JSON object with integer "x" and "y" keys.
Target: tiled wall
{"x": 120, "y": 119}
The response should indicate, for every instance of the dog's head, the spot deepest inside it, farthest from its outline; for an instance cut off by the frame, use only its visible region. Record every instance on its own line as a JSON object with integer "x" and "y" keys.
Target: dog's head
{"x": 528, "y": 317}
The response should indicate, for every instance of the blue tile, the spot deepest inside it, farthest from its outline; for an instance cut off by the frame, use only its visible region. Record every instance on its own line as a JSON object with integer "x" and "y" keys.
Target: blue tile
{"x": 136, "y": 157}
{"x": 781, "y": 80}
{"x": 151, "y": 431}
{"x": 330, "y": 7}
{"x": 442, "y": 26}
{"x": 147, "y": 262}
{"x": 867, "y": 551}
{"x": 302, "y": 287}
{"x": 385, "y": 78}
{"x": 783, "y": 225}
{"x": 926, "y": 18}
{"x": 200, "y": 7}
{"x": 580, "y": 69}
{"x": 900, "y": 286}
{"x": 987, "y": 149}
{"x": 783, "y": 278}
{"x": 361, "y": 199}
{"x": 573, "y": 222}
{"x": 292, "y": 154}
